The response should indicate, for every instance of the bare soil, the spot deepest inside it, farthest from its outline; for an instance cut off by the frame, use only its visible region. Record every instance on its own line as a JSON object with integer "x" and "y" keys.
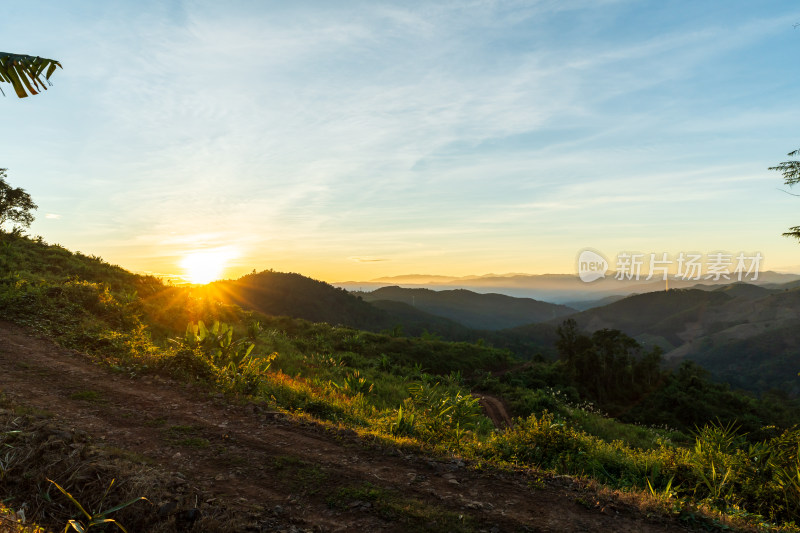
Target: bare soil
{"x": 494, "y": 408}
{"x": 278, "y": 473}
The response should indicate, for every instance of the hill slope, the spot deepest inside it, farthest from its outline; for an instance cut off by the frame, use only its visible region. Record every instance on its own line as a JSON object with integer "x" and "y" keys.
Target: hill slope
{"x": 398, "y": 396}
{"x": 744, "y": 334}
{"x": 236, "y": 465}
{"x": 297, "y": 296}
{"x": 478, "y": 311}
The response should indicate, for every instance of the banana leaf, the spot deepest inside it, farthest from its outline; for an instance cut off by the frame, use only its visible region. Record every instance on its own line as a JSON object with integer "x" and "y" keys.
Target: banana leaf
{"x": 25, "y": 72}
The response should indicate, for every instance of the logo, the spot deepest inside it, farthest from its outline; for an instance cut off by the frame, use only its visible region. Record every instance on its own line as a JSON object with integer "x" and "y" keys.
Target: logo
{"x": 686, "y": 266}
{"x": 591, "y": 266}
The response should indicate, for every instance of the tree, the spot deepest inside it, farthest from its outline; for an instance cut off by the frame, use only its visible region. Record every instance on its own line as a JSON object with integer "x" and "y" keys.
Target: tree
{"x": 24, "y": 72}
{"x": 791, "y": 176}
{"x": 15, "y": 205}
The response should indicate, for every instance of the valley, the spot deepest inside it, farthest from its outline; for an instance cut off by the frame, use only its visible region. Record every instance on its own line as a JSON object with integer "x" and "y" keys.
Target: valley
{"x": 265, "y": 413}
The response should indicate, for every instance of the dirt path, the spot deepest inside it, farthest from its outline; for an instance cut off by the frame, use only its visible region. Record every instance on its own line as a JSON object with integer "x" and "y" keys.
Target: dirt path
{"x": 289, "y": 475}
{"x": 494, "y": 409}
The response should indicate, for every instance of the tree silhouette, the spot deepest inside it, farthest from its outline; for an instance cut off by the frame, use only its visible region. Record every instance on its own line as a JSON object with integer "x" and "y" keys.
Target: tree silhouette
{"x": 791, "y": 176}
{"x": 15, "y": 205}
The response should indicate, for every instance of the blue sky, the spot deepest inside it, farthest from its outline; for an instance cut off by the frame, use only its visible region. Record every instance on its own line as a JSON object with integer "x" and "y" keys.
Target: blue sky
{"x": 352, "y": 140}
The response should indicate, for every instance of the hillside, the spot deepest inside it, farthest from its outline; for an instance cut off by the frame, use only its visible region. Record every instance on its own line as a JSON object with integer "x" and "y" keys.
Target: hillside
{"x": 477, "y": 311}
{"x": 743, "y": 334}
{"x": 240, "y": 421}
{"x": 297, "y": 296}
{"x": 224, "y": 468}
{"x": 294, "y": 295}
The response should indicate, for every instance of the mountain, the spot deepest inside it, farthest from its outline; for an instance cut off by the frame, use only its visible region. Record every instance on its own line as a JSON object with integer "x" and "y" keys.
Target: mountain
{"x": 742, "y": 333}
{"x": 297, "y": 296}
{"x": 583, "y": 305}
{"x": 556, "y": 288}
{"x": 478, "y": 311}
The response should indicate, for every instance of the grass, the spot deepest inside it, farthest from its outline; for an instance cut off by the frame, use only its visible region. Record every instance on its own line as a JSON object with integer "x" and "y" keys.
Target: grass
{"x": 415, "y": 515}
{"x": 186, "y": 436}
{"x": 156, "y": 422}
{"x": 409, "y": 392}
{"x": 87, "y": 396}
{"x": 27, "y": 410}
{"x": 65, "y": 460}
{"x": 194, "y": 442}
{"x": 10, "y": 522}
{"x": 306, "y": 478}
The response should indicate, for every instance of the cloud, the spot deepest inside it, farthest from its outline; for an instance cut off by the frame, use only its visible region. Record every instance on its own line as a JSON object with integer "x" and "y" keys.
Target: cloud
{"x": 401, "y": 128}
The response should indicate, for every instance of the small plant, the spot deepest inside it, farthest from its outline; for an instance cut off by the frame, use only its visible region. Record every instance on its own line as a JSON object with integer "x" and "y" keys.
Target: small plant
{"x": 355, "y": 384}
{"x": 320, "y": 360}
{"x": 384, "y": 363}
{"x": 214, "y": 351}
{"x": 714, "y": 447}
{"x": 98, "y": 518}
{"x": 665, "y": 494}
{"x": 6, "y": 463}
{"x": 403, "y": 424}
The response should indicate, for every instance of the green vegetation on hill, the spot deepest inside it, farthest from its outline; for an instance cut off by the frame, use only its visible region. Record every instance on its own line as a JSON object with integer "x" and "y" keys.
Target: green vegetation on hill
{"x": 760, "y": 362}
{"x": 477, "y": 311}
{"x": 743, "y": 334}
{"x": 657, "y": 313}
{"x": 416, "y": 392}
{"x": 624, "y": 379}
{"x": 297, "y": 296}
{"x": 289, "y": 294}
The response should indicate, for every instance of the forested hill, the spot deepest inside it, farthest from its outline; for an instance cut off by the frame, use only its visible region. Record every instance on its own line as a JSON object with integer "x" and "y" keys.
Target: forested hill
{"x": 478, "y": 311}
{"x": 298, "y": 296}
{"x": 743, "y": 334}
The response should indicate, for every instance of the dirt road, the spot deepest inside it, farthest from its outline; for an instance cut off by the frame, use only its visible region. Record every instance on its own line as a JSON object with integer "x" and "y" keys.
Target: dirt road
{"x": 493, "y": 408}
{"x": 282, "y": 474}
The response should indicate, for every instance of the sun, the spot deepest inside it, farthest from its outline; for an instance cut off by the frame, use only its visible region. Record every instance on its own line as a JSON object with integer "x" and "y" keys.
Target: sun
{"x": 205, "y": 266}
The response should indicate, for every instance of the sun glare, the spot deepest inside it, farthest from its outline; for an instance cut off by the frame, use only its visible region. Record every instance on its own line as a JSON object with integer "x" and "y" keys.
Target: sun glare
{"x": 205, "y": 266}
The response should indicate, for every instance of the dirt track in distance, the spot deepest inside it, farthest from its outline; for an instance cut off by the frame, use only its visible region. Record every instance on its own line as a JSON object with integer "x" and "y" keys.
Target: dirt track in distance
{"x": 493, "y": 408}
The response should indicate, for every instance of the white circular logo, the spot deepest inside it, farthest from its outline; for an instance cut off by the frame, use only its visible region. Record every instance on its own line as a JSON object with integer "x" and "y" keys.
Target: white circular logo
{"x": 591, "y": 266}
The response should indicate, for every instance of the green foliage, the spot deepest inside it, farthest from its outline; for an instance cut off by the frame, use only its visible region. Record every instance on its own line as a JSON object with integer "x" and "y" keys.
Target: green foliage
{"x": 354, "y": 383}
{"x": 543, "y": 441}
{"x": 15, "y": 205}
{"x": 417, "y": 391}
{"x": 213, "y": 354}
{"x": 95, "y": 519}
{"x": 403, "y": 426}
{"x": 609, "y": 367}
{"x": 24, "y": 72}
{"x": 791, "y": 176}
{"x": 438, "y": 412}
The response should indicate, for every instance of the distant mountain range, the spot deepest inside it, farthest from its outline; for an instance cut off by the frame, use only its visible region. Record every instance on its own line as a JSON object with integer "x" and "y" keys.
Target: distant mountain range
{"x": 555, "y": 288}
{"x": 477, "y": 311}
{"x": 745, "y": 334}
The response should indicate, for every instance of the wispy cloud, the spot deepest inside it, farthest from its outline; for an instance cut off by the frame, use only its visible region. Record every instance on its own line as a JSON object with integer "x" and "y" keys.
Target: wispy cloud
{"x": 393, "y": 130}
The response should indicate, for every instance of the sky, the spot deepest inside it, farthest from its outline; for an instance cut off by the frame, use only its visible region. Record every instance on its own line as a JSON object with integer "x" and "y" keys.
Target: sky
{"x": 353, "y": 140}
